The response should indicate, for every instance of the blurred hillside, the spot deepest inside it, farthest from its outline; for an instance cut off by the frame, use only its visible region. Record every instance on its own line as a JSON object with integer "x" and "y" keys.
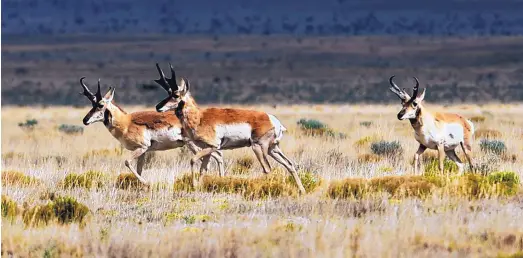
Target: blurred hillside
{"x": 303, "y": 17}
{"x": 267, "y": 69}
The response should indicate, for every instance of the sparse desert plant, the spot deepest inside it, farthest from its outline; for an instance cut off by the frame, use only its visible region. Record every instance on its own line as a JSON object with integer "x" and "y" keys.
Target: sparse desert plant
{"x": 507, "y": 182}
{"x": 63, "y": 210}
{"x": 12, "y": 177}
{"x": 389, "y": 149}
{"x": 487, "y": 133}
{"x": 243, "y": 165}
{"x": 9, "y": 208}
{"x": 369, "y": 158}
{"x": 478, "y": 119}
{"x": 184, "y": 183}
{"x": 310, "y": 180}
{"x": 366, "y": 123}
{"x": 251, "y": 188}
{"x": 86, "y": 180}
{"x": 347, "y": 188}
{"x": 364, "y": 142}
{"x": 29, "y": 124}
{"x": 128, "y": 181}
{"x": 431, "y": 165}
{"x": 313, "y": 127}
{"x": 103, "y": 153}
{"x": 493, "y": 146}
{"x": 71, "y": 129}
{"x": 496, "y": 184}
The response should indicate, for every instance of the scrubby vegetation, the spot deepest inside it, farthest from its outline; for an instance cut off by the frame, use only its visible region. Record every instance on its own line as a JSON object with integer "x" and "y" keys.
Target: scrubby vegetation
{"x": 493, "y": 146}
{"x": 12, "y": 177}
{"x": 9, "y": 208}
{"x": 370, "y": 203}
{"x": 28, "y": 124}
{"x": 128, "y": 181}
{"x": 469, "y": 185}
{"x": 387, "y": 149}
{"x": 71, "y": 129}
{"x": 86, "y": 180}
{"x": 63, "y": 210}
{"x": 313, "y": 127}
{"x": 487, "y": 133}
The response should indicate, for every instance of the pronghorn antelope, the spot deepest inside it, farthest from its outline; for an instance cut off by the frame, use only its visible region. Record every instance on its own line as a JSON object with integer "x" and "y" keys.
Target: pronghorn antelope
{"x": 224, "y": 128}
{"x": 439, "y": 131}
{"x": 139, "y": 132}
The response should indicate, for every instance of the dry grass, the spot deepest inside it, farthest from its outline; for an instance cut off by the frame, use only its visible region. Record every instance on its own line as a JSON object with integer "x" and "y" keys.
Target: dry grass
{"x": 357, "y": 205}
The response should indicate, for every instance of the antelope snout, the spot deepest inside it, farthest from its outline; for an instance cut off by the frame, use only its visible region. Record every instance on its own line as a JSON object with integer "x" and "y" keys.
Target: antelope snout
{"x": 401, "y": 114}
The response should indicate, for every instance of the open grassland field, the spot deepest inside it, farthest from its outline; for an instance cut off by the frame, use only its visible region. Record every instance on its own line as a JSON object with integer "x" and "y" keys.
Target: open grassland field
{"x": 264, "y": 69}
{"x": 68, "y": 193}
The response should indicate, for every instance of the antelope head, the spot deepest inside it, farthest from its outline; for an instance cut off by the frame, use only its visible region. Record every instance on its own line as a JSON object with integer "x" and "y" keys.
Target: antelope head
{"x": 411, "y": 105}
{"x": 177, "y": 92}
{"x": 99, "y": 103}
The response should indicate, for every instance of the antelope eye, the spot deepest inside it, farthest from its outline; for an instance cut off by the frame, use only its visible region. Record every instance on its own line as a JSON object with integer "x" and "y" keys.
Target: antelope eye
{"x": 414, "y": 104}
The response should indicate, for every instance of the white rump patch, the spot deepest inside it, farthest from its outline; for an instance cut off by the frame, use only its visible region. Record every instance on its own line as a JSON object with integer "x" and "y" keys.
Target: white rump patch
{"x": 164, "y": 139}
{"x": 278, "y": 128}
{"x": 233, "y": 135}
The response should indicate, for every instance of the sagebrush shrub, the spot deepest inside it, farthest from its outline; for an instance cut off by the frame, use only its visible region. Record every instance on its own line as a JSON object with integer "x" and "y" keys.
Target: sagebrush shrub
{"x": 243, "y": 165}
{"x": 316, "y": 128}
{"x": 71, "y": 129}
{"x": 493, "y": 146}
{"x": 385, "y": 148}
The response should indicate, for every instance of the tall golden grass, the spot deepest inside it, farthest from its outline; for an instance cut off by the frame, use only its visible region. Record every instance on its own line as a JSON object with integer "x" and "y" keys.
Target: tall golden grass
{"x": 357, "y": 204}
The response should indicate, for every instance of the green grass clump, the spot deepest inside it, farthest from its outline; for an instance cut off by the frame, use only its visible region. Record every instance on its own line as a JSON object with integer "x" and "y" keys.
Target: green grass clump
{"x": 62, "y": 210}
{"x": 184, "y": 184}
{"x": 389, "y": 149}
{"x": 12, "y": 177}
{"x": 9, "y": 208}
{"x": 309, "y": 180}
{"x": 250, "y": 188}
{"x": 396, "y": 186}
{"x": 311, "y": 124}
{"x": 507, "y": 182}
{"x": 514, "y": 255}
{"x": 493, "y": 146}
{"x": 86, "y": 180}
{"x": 128, "y": 181}
{"x": 478, "y": 119}
{"x": 496, "y": 184}
{"x": 347, "y": 188}
{"x": 243, "y": 165}
{"x": 432, "y": 166}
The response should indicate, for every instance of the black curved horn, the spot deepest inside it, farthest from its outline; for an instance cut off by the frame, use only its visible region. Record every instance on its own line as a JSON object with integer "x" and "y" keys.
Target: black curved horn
{"x": 416, "y": 88}
{"x": 162, "y": 81}
{"x": 87, "y": 92}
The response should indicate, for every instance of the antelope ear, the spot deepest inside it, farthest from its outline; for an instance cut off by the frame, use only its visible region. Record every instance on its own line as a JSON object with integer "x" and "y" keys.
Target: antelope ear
{"x": 108, "y": 97}
{"x": 420, "y": 96}
{"x": 184, "y": 86}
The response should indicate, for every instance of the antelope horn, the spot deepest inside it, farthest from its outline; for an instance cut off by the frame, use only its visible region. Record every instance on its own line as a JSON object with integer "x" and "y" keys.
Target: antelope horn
{"x": 172, "y": 82}
{"x": 98, "y": 93}
{"x": 396, "y": 90}
{"x": 87, "y": 92}
{"x": 416, "y": 88}
{"x": 163, "y": 81}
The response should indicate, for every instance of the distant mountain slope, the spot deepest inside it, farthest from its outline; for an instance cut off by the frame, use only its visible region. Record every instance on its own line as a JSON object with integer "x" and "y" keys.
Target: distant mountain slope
{"x": 263, "y": 69}
{"x": 297, "y": 17}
